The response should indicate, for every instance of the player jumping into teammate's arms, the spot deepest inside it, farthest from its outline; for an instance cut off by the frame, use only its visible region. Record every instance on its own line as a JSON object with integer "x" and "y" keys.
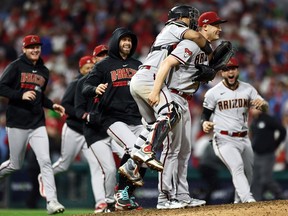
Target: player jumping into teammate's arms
{"x": 181, "y": 21}
{"x": 178, "y": 71}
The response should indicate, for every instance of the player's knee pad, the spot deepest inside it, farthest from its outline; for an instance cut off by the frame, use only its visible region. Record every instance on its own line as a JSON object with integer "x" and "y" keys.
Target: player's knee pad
{"x": 163, "y": 125}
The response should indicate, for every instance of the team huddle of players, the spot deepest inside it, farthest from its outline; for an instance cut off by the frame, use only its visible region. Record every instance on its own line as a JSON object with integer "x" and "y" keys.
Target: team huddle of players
{"x": 120, "y": 105}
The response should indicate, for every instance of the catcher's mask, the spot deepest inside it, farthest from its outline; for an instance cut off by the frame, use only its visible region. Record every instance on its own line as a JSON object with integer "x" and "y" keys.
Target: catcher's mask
{"x": 184, "y": 11}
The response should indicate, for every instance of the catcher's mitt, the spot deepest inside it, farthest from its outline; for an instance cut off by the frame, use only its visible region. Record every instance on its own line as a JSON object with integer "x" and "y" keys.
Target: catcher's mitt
{"x": 221, "y": 55}
{"x": 205, "y": 73}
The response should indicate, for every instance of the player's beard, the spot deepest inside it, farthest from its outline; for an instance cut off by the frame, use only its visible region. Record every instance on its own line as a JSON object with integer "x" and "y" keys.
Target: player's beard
{"x": 124, "y": 51}
{"x": 232, "y": 85}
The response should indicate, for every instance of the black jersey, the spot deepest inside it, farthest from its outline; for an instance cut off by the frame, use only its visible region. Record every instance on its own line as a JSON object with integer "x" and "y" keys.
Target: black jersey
{"x": 20, "y": 76}
{"x": 116, "y": 104}
{"x": 68, "y": 103}
{"x": 92, "y": 131}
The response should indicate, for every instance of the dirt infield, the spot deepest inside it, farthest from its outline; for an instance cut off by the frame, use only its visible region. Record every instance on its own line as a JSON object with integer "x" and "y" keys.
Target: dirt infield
{"x": 268, "y": 208}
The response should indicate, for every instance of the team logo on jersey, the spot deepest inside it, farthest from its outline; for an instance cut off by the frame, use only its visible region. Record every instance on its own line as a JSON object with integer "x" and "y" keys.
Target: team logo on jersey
{"x": 187, "y": 53}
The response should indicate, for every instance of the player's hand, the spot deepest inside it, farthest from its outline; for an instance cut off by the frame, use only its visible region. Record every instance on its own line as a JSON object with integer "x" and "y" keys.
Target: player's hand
{"x": 101, "y": 88}
{"x": 259, "y": 104}
{"x": 84, "y": 116}
{"x": 59, "y": 109}
{"x": 207, "y": 126}
{"x": 29, "y": 95}
{"x": 153, "y": 99}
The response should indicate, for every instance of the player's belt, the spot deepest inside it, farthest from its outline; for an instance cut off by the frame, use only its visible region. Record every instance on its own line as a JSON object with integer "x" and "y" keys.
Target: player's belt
{"x": 235, "y": 134}
{"x": 182, "y": 94}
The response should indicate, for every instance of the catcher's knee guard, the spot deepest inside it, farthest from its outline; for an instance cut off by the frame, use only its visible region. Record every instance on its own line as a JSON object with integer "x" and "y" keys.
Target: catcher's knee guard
{"x": 163, "y": 125}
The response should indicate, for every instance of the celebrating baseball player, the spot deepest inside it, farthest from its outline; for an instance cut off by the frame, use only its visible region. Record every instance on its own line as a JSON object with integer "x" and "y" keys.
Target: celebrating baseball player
{"x": 24, "y": 82}
{"x": 95, "y": 136}
{"x": 109, "y": 82}
{"x": 181, "y": 66}
{"x": 73, "y": 139}
{"x": 181, "y": 21}
{"x": 229, "y": 102}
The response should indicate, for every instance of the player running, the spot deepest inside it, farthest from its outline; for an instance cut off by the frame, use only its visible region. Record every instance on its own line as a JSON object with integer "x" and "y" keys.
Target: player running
{"x": 229, "y": 102}
{"x": 24, "y": 82}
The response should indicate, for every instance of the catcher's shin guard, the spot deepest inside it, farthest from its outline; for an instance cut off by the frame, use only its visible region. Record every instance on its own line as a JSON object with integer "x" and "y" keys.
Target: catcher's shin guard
{"x": 163, "y": 125}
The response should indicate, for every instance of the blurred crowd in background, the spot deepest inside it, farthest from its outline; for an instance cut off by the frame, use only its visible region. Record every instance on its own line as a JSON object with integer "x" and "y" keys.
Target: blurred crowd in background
{"x": 70, "y": 29}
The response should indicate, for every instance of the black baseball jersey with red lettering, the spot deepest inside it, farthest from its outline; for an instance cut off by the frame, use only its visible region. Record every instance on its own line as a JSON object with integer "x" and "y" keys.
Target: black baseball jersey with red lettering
{"x": 18, "y": 77}
{"x": 117, "y": 72}
{"x": 68, "y": 103}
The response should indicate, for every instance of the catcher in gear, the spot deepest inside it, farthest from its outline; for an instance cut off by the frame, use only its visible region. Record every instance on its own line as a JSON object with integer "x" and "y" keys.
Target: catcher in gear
{"x": 181, "y": 24}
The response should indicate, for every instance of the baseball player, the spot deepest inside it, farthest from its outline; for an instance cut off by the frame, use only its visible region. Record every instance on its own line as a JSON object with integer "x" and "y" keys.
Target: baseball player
{"x": 182, "y": 20}
{"x": 109, "y": 83}
{"x": 103, "y": 187}
{"x": 24, "y": 82}
{"x": 73, "y": 139}
{"x": 180, "y": 69}
{"x": 229, "y": 102}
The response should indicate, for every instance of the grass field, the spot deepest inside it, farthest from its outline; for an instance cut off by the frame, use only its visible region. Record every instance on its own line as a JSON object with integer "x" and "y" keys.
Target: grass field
{"x": 41, "y": 212}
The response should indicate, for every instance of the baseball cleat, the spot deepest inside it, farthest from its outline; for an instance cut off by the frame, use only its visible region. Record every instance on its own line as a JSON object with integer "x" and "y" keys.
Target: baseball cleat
{"x": 41, "y": 186}
{"x": 54, "y": 207}
{"x": 134, "y": 204}
{"x": 105, "y": 208}
{"x": 194, "y": 202}
{"x": 131, "y": 172}
{"x": 171, "y": 204}
{"x": 101, "y": 208}
{"x": 147, "y": 156}
{"x": 251, "y": 200}
{"x": 122, "y": 200}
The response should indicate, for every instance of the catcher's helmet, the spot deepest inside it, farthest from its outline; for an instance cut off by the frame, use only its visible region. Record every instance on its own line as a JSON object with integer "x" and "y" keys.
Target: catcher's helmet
{"x": 184, "y": 11}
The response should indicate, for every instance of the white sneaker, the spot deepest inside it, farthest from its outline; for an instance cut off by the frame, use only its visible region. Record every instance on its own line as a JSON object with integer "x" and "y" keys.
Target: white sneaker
{"x": 54, "y": 207}
{"x": 251, "y": 200}
{"x": 194, "y": 202}
{"x": 172, "y": 204}
{"x": 41, "y": 186}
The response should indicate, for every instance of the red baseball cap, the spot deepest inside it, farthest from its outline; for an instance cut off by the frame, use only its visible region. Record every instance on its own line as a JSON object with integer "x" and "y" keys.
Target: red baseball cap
{"x": 99, "y": 49}
{"x": 233, "y": 62}
{"x": 210, "y": 18}
{"x": 31, "y": 40}
{"x": 85, "y": 60}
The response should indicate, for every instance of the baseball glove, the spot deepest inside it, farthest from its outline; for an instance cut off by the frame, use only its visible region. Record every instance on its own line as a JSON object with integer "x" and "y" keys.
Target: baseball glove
{"x": 221, "y": 55}
{"x": 205, "y": 73}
